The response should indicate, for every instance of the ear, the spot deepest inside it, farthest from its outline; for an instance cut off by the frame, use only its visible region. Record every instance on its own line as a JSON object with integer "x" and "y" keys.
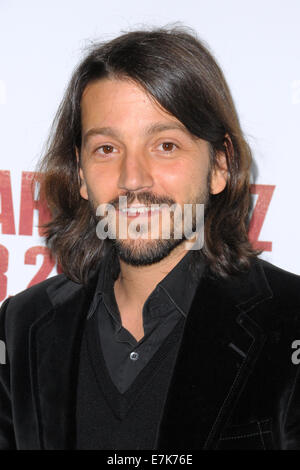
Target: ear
{"x": 220, "y": 171}
{"x": 82, "y": 183}
{"x": 219, "y": 175}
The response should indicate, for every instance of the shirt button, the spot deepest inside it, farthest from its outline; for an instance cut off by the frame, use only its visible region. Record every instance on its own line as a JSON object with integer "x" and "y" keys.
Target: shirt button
{"x": 134, "y": 356}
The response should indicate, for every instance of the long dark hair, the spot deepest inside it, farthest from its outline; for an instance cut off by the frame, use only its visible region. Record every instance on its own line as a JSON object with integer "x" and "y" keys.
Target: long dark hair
{"x": 178, "y": 71}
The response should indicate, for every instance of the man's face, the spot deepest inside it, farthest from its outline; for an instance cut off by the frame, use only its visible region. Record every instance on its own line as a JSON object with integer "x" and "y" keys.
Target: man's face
{"x": 131, "y": 147}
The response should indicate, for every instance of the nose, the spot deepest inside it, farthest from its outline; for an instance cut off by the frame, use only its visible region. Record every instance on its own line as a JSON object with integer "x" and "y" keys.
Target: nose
{"x": 135, "y": 174}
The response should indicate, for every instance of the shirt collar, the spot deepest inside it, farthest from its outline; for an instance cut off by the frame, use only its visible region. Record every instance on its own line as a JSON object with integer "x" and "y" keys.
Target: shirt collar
{"x": 179, "y": 285}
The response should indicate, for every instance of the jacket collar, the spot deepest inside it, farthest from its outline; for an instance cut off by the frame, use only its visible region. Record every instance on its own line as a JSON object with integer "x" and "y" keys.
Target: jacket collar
{"x": 220, "y": 344}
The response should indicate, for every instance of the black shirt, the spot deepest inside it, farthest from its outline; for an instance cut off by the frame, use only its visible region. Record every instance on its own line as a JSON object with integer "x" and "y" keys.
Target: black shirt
{"x": 169, "y": 302}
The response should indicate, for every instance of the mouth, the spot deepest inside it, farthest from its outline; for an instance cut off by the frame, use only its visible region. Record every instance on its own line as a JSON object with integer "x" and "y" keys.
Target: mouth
{"x": 139, "y": 211}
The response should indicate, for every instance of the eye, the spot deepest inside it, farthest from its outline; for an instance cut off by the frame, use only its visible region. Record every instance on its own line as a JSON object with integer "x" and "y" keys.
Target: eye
{"x": 168, "y": 147}
{"x": 107, "y": 149}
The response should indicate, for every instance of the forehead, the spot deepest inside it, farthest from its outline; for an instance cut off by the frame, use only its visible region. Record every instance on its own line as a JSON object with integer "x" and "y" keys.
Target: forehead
{"x": 113, "y": 101}
{"x": 122, "y": 108}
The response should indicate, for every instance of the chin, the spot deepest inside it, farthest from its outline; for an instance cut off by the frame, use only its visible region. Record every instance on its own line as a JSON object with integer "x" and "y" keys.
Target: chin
{"x": 141, "y": 252}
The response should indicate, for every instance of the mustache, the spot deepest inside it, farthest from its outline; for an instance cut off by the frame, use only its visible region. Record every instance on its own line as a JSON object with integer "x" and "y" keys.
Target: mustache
{"x": 145, "y": 198}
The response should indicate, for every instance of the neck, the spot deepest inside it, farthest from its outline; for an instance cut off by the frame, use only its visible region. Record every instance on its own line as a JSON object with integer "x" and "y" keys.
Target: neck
{"x": 135, "y": 283}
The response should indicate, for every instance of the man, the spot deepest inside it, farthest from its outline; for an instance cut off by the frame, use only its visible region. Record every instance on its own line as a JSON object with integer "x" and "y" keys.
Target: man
{"x": 151, "y": 343}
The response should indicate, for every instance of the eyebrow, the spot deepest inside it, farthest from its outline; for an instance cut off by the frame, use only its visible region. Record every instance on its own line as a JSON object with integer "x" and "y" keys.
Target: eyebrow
{"x": 150, "y": 130}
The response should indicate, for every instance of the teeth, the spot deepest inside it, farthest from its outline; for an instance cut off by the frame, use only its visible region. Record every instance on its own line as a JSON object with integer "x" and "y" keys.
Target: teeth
{"x": 134, "y": 210}
{"x": 140, "y": 210}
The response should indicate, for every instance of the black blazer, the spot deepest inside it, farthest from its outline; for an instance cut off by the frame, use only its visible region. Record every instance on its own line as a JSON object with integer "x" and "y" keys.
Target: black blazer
{"x": 234, "y": 385}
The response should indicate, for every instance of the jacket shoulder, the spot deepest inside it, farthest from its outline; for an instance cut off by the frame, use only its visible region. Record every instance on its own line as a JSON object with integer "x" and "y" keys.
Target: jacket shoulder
{"x": 284, "y": 284}
{"x": 38, "y": 292}
{"x": 31, "y": 303}
{"x": 281, "y": 280}
{"x": 278, "y": 271}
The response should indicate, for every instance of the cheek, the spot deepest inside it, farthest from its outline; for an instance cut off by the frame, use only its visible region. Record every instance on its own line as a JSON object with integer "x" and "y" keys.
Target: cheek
{"x": 183, "y": 179}
{"x": 101, "y": 186}
{"x": 174, "y": 175}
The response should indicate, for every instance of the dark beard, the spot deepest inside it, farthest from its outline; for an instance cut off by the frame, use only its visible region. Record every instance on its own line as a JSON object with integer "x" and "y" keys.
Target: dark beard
{"x": 156, "y": 250}
{"x": 152, "y": 253}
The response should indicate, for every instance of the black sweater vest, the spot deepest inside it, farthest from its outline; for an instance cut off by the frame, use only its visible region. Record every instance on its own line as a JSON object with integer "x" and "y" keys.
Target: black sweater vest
{"x": 109, "y": 420}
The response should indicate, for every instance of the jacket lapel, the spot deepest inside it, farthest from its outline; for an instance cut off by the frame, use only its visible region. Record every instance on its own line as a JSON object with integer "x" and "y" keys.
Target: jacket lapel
{"x": 54, "y": 358}
{"x": 219, "y": 347}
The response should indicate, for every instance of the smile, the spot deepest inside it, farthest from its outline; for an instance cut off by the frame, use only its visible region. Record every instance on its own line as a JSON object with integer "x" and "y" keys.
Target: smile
{"x": 139, "y": 210}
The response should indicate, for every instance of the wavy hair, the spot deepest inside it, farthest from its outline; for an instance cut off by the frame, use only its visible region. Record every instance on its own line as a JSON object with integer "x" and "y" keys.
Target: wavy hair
{"x": 179, "y": 72}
